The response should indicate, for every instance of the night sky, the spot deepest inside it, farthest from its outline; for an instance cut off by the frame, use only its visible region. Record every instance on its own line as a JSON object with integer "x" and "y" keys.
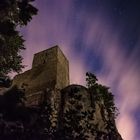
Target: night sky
{"x": 101, "y": 36}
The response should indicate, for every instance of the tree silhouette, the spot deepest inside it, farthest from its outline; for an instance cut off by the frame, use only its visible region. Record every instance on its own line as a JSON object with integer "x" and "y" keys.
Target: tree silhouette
{"x": 13, "y": 13}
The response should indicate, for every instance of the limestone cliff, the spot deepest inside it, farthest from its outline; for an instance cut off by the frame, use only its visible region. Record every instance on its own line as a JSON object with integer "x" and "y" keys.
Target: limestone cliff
{"x": 75, "y": 113}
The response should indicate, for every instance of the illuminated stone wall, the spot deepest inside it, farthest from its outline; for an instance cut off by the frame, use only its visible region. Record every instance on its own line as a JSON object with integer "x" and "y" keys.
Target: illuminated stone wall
{"x": 50, "y": 69}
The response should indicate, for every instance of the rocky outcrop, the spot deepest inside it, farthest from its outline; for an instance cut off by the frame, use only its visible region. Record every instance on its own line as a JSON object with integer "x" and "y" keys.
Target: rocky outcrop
{"x": 72, "y": 113}
{"x": 75, "y": 108}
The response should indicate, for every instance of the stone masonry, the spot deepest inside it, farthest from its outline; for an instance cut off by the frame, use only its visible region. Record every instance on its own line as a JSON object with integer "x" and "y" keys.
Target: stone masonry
{"x": 50, "y": 69}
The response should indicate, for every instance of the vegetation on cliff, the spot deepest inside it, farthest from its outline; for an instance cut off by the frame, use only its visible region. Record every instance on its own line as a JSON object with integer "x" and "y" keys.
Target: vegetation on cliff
{"x": 76, "y": 119}
{"x": 102, "y": 93}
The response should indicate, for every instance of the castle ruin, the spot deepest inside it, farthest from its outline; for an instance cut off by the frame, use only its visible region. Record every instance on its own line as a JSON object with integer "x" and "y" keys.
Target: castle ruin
{"x": 50, "y": 70}
{"x": 48, "y": 81}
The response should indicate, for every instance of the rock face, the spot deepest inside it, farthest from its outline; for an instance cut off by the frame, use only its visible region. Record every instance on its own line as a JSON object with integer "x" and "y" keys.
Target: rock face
{"x": 50, "y": 69}
{"x": 79, "y": 116}
{"x": 96, "y": 123}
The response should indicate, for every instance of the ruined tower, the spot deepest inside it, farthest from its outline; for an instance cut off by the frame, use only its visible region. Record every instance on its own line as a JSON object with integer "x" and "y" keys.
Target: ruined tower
{"x": 72, "y": 106}
{"x": 50, "y": 69}
{"x": 54, "y": 65}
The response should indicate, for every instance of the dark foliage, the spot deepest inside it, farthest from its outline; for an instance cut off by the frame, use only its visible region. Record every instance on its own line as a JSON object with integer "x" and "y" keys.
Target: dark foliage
{"x": 5, "y": 82}
{"x": 13, "y": 13}
{"x": 101, "y": 92}
{"x": 10, "y": 101}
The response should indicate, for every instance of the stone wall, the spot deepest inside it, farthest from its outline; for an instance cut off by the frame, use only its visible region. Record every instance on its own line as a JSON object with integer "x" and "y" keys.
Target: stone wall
{"x": 48, "y": 57}
{"x": 50, "y": 69}
{"x": 62, "y": 70}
